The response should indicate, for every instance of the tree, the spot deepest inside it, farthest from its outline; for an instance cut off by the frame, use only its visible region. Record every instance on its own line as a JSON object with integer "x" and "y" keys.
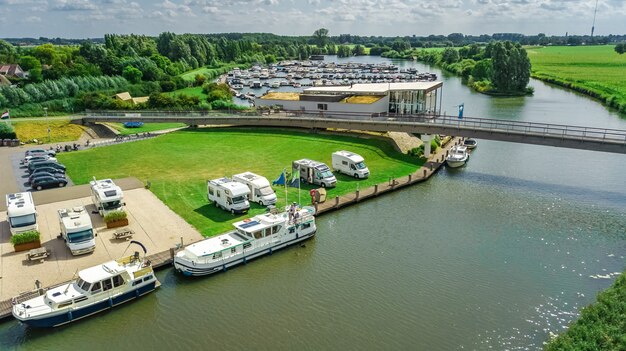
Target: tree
{"x": 450, "y": 55}
{"x": 132, "y": 74}
{"x": 620, "y": 48}
{"x": 359, "y": 50}
{"x": 482, "y": 70}
{"x": 511, "y": 67}
{"x": 321, "y": 37}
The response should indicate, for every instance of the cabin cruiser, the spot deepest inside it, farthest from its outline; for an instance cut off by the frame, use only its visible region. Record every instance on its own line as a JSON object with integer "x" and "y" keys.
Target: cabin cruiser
{"x": 252, "y": 237}
{"x": 470, "y": 143}
{"x": 457, "y": 157}
{"x": 97, "y": 289}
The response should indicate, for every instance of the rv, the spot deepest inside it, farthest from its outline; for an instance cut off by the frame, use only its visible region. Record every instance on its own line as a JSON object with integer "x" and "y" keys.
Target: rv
{"x": 260, "y": 189}
{"x": 314, "y": 172}
{"x": 21, "y": 213}
{"x": 229, "y": 195}
{"x": 106, "y": 196}
{"x": 76, "y": 230}
{"x": 350, "y": 163}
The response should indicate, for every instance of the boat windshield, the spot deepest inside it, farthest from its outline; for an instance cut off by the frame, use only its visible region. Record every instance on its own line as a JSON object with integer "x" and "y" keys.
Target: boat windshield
{"x": 111, "y": 205}
{"x": 83, "y": 284}
{"x": 239, "y": 199}
{"x": 360, "y": 165}
{"x": 266, "y": 191}
{"x": 22, "y": 221}
{"x": 79, "y": 237}
{"x": 327, "y": 174}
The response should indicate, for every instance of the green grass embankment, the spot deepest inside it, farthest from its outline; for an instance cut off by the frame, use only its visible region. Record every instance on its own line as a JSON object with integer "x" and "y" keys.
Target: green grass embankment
{"x": 61, "y": 130}
{"x": 179, "y": 164}
{"x": 147, "y": 127}
{"x": 597, "y": 71}
{"x": 601, "y": 326}
{"x": 212, "y": 72}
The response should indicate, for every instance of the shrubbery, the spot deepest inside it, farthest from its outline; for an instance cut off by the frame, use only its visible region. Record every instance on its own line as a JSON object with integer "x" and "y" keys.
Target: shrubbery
{"x": 115, "y": 216}
{"x": 7, "y": 131}
{"x": 25, "y": 237}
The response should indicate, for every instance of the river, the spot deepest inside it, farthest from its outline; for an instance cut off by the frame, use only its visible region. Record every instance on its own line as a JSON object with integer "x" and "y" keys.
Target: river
{"x": 491, "y": 256}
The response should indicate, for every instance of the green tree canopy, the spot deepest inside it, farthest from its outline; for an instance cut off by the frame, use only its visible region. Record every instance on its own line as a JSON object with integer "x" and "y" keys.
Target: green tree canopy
{"x": 321, "y": 37}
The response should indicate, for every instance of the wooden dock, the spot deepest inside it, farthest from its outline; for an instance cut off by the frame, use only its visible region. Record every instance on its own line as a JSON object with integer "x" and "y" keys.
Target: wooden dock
{"x": 164, "y": 259}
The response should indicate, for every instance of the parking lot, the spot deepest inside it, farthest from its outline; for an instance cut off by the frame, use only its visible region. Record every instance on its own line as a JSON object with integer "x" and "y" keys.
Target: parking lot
{"x": 21, "y": 173}
{"x": 153, "y": 223}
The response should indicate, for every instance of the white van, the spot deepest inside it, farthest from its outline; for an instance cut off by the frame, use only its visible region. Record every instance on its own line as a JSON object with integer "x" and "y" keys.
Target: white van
{"x": 260, "y": 189}
{"x": 350, "y": 163}
{"x": 106, "y": 196}
{"x": 228, "y": 195}
{"x": 77, "y": 230}
{"x": 314, "y": 172}
{"x": 21, "y": 213}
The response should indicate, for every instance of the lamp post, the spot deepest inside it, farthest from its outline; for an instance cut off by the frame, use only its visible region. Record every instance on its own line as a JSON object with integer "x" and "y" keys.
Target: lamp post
{"x": 45, "y": 110}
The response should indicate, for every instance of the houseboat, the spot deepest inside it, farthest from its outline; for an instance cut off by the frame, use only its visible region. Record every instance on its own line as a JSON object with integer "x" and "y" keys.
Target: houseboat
{"x": 252, "y": 237}
{"x": 97, "y": 289}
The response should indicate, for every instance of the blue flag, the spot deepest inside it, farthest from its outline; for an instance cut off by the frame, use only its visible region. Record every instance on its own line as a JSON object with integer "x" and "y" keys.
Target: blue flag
{"x": 461, "y": 108}
{"x": 280, "y": 180}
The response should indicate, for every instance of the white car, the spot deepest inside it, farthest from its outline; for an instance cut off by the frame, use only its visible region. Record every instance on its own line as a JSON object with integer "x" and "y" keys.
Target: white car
{"x": 37, "y": 157}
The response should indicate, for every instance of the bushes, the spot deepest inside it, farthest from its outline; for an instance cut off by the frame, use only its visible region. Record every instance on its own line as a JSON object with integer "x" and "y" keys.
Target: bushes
{"x": 7, "y": 131}
{"x": 26, "y": 237}
{"x": 115, "y": 216}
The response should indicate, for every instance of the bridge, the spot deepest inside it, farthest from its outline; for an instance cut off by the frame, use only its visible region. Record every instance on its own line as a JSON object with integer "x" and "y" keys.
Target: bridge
{"x": 557, "y": 135}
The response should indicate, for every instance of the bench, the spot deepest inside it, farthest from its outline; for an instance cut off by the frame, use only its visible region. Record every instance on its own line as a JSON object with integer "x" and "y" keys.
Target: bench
{"x": 123, "y": 233}
{"x": 38, "y": 254}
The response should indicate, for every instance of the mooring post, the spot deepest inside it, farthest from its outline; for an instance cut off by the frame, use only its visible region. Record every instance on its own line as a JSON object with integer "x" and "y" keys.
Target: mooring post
{"x": 375, "y": 189}
{"x": 315, "y": 204}
{"x": 424, "y": 173}
{"x": 431, "y": 167}
{"x": 336, "y": 201}
{"x": 410, "y": 178}
{"x": 357, "y": 195}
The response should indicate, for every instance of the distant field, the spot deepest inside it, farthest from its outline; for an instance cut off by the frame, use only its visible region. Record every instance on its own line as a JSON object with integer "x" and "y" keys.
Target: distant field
{"x": 60, "y": 130}
{"x": 179, "y": 164}
{"x": 147, "y": 127}
{"x": 597, "y": 71}
{"x": 211, "y": 73}
{"x": 193, "y": 91}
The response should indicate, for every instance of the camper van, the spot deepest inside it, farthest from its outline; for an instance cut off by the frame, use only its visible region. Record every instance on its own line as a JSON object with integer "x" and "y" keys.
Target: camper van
{"x": 260, "y": 189}
{"x": 77, "y": 230}
{"x": 314, "y": 172}
{"x": 21, "y": 213}
{"x": 350, "y": 163}
{"x": 228, "y": 195}
{"x": 106, "y": 196}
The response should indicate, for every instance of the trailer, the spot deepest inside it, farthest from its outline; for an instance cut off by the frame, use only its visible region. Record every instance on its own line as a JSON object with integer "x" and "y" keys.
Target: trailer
{"x": 106, "y": 196}
{"x": 349, "y": 163}
{"x": 228, "y": 195}
{"x": 260, "y": 189}
{"x": 21, "y": 213}
{"x": 77, "y": 230}
{"x": 314, "y": 172}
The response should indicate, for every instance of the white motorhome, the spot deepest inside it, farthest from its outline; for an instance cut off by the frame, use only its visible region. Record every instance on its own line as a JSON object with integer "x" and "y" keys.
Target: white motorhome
{"x": 260, "y": 189}
{"x": 350, "y": 163}
{"x": 106, "y": 196}
{"x": 229, "y": 195}
{"x": 314, "y": 172}
{"x": 77, "y": 230}
{"x": 21, "y": 213}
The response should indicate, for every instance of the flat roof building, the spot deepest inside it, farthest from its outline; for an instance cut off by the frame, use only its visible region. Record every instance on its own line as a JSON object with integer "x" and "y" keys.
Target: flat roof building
{"x": 410, "y": 98}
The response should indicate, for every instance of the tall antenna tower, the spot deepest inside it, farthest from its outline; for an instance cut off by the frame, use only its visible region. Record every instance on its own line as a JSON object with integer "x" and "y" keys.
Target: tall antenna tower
{"x": 593, "y": 26}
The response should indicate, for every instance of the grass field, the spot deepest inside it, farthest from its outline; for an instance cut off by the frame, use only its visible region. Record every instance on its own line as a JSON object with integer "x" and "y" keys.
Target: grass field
{"x": 60, "y": 130}
{"x": 211, "y": 73}
{"x": 147, "y": 127}
{"x": 179, "y": 164}
{"x": 192, "y": 91}
{"x": 597, "y": 71}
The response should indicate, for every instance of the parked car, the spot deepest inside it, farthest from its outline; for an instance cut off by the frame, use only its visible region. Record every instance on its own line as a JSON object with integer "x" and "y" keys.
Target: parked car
{"x": 48, "y": 169}
{"x": 44, "y": 174}
{"x": 49, "y": 152}
{"x": 37, "y": 158}
{"x": 34, "y": 165}
{"x": 48, "y": 182}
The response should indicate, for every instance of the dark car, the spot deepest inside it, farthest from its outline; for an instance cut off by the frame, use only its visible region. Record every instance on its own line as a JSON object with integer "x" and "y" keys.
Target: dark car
{"x": 34, "y": 165}
{"x": 52, "y": 170}
{"x": 44, "y": 174}
{"x": 48, "y": 182}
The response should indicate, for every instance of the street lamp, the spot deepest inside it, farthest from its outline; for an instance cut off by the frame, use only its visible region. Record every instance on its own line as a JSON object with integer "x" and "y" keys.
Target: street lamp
{"x": 45, "y": 110}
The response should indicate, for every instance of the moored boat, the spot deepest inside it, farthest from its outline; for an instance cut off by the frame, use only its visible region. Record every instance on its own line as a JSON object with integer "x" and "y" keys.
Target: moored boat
{"x": 457, "y": 157}
{"x": 97, "y": 289}
{"x": 470, "y": 143}
{"x": 252, "y": 237}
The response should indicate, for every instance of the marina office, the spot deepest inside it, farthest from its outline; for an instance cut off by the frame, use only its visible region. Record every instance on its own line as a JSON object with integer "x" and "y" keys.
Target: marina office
{"x": 411, "y": 98}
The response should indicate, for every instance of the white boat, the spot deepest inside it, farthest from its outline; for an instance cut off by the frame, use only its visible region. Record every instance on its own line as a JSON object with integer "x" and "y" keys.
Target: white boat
{"x": 470, "y": 143}
{"x": 457, "y": 157}
{"x": 252, "y": 237}
{"x": 237, "y": 86}
{"x": 97, "y": 289}
{"x": 275, "y": 84}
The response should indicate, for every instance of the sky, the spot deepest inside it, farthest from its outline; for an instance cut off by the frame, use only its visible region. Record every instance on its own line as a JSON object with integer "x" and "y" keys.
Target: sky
{"x": 94, "y": 18}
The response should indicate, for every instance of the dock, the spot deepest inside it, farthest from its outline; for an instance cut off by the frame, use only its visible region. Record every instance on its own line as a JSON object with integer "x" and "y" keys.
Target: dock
{"x": 165, "y": 259}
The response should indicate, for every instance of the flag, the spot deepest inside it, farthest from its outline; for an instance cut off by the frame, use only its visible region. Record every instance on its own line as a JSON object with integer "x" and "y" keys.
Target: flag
{"x": 280, "y": 180}
{"x": 5, "y": 115}
{"x": 295, "y": 179}
{"x": 461, "y": 108}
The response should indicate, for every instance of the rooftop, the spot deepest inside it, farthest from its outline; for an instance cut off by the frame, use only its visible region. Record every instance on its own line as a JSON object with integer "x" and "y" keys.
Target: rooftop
{"x": 374, "y": 88}
{"x": 276, "y": 95}
{"x": 361, "y": 99}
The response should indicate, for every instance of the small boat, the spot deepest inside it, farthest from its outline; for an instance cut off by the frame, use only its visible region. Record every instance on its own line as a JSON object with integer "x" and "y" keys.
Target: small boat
{"x": 457, "y": 157}
{"x": 237, "y": 86}
{"x": 470, "y": 143}
{"x": 252, "y": 237}
{"x": 97, "y": 289}
{"x": 275, "y": 84}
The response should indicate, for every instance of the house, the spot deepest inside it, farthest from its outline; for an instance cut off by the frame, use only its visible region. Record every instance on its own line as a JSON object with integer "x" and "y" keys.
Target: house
{"x": 13, "y": 71}
{"x": 125, "y": 96}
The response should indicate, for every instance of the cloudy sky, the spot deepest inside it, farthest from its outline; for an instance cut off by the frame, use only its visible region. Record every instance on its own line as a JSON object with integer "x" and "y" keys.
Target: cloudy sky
{"x": 94, "y": 18}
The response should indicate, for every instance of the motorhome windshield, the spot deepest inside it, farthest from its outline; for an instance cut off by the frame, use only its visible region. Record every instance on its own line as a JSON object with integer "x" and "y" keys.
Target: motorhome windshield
{"x": 327, "y": 174}
{"x": 239, "y": 199}
{"x": 79, "y": 237}
{"x": 360, "y": 165}
{"x": 266, "y": 191}
{"x": 22, "y": 221}
{"x": 111, "y": 205}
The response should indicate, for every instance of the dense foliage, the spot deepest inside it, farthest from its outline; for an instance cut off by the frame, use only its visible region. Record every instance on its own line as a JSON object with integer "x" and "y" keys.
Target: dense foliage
{"x": 115, "y": 216}
{"x": 25, "y": 237}
{"x": 7, "y": 131}
{"x": 620, "y": 48}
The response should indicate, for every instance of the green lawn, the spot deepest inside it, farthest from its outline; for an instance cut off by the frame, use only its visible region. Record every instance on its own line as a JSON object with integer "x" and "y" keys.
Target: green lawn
{"x": 211, "y": 73}
{"x": 179, "y": 164}
{"x": 594, "y": 70}
{"x": 147, "y": 127}
{"x": 192, "y": 91}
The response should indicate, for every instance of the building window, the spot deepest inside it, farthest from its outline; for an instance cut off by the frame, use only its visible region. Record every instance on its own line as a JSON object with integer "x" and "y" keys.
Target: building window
{"x": 323, "y": 107}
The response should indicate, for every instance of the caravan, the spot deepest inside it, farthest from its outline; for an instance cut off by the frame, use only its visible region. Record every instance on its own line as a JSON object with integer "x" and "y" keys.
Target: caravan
{"x": 229, "y": 195}
{"x": 314, "y": 172}
{"x": 260, "y": 189}
{"x": 77, "y": 230}
{"x": 350, "y": 163}
{"x": 21, "y": 213}
{"x": 106, "y": 196}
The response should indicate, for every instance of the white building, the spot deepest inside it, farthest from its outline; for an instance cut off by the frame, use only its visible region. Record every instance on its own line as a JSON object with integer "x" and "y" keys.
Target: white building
{"x": 373, "y": 99}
